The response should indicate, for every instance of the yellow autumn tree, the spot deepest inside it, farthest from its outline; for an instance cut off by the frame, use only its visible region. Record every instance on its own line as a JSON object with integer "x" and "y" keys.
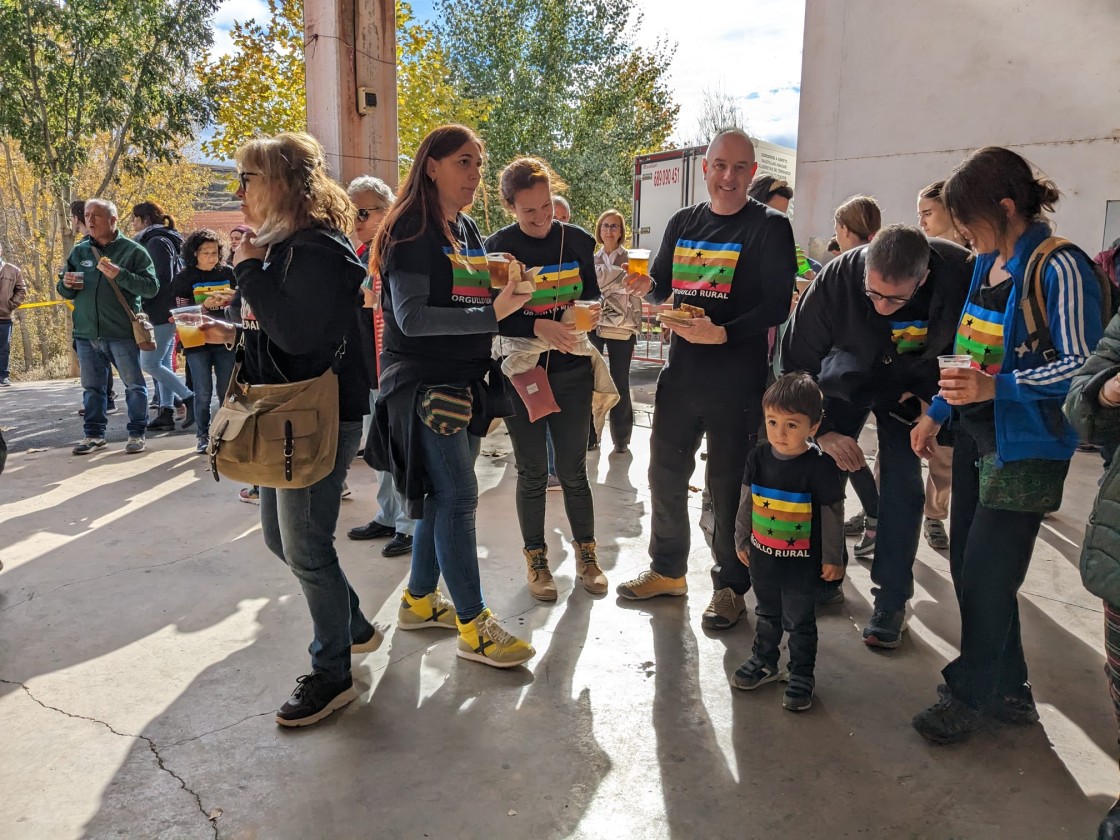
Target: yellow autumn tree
{"x": 260, "y": 85}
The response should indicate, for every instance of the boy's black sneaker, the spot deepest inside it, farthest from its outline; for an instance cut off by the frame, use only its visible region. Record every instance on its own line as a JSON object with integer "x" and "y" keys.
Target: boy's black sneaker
{"x": 885, "y": 629}
{"x": 799, "y": 693}
{"x": 315, "y": 697}
{"x": 830, "y": 592}
{"x": 948, "y": 721}
{"x": 753, "y": 673}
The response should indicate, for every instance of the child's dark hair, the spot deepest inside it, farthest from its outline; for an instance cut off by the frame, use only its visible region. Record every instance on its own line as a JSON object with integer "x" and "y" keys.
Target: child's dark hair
{"x": 199, "y": 238}
{"x": 796, "y": 393}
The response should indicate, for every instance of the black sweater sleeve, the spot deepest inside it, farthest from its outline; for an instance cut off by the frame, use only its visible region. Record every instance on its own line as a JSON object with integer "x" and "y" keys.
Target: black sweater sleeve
{"x": 776, "y": 273}
{"x": 292, "y": 304}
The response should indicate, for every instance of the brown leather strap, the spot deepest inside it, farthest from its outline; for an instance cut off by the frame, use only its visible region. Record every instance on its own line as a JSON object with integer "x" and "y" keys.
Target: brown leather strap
{"x": 113, "y": 285}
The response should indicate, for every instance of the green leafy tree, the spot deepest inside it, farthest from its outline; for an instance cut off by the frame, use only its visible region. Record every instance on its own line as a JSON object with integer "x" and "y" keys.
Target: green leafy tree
{"x": 73, "y": 72}
{"x": 260, "y": 85}
{"x": 566, "y": 81}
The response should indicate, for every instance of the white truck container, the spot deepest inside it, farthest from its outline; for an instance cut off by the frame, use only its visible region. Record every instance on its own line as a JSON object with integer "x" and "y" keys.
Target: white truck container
{"x": 664, "y": 182}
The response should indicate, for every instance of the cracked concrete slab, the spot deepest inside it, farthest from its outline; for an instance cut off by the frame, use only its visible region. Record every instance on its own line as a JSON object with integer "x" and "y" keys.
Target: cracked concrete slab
{"x": 171, "y": 621}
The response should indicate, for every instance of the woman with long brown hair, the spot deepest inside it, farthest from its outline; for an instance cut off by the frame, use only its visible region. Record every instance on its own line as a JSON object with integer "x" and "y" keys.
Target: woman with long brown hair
{"x": 434, "y": 402}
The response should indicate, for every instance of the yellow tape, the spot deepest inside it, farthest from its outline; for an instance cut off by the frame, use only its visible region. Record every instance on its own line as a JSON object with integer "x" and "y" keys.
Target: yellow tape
{"x": 46, "y": 303}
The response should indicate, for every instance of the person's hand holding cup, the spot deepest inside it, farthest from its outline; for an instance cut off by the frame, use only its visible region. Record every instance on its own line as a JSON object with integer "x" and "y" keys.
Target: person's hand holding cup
{"x": 585, "y": 315}
{"x": 74, "y": 280}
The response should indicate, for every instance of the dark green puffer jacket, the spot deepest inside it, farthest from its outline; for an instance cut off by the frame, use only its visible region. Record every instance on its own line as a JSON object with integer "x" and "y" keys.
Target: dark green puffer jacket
{"x": 1100, "y": 553}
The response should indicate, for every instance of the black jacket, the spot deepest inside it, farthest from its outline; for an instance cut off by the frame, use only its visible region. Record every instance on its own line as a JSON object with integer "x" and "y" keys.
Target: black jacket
{"x": 836, "y": 335}
{"x": 165, "y": 247}
{"x": 297, "y": 306}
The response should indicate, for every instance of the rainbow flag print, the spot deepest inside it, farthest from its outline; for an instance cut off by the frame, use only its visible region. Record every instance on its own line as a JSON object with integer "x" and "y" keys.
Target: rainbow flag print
{"x": 781, "y": 520}
{"x": 469, "y": 277}
{"x": 557, "y": 287}
{"x": 202, "y": 291}
{"x": 909, "y": 336}
{"x": 980, "y": 335}
{"x": 705, "y": 266}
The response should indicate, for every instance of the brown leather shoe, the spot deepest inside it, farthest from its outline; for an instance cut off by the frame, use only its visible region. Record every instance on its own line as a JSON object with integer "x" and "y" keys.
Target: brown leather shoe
{"x": 587, "y": 568}
{"x": 541, "y": 585}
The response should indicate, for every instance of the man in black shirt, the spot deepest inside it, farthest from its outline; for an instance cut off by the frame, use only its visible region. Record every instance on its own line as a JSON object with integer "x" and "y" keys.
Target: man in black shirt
{"x": 735, "y": 259}
{"x": 870, "y": 329}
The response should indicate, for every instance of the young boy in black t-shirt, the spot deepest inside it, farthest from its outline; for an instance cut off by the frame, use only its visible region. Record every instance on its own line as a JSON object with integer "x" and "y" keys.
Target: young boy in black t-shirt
{"x": 790, "y": 532}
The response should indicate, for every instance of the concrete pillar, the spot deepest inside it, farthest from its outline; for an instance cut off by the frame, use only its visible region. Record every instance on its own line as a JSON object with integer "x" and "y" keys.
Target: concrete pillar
{"x": 352, "y": 45}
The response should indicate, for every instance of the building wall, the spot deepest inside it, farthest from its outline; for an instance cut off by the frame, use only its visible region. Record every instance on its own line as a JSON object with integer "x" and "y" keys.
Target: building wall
{"x": 894, "y": 94}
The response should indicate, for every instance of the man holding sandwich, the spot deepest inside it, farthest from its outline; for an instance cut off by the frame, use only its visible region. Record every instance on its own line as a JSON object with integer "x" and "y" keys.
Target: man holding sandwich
{"x": 729, "y": 264}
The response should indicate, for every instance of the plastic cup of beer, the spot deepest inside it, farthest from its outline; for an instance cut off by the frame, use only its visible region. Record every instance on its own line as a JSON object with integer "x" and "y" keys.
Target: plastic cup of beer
{"x": 77, "y": 279}
{"x": 584, "y": 315}
{"x": 188, "y": 323}
{"x": 498, "y": 266}
{"x": 958, "y": 361}
{"x": 638, "y": 259}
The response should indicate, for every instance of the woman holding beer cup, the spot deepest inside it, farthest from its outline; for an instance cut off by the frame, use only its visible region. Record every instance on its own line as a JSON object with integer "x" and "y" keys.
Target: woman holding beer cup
{"x": 1012, "y": 443}
{"x": 561, "y": 259}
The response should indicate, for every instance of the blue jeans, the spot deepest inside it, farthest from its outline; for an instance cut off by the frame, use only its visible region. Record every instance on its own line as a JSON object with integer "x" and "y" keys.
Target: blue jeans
{"x": 206, "y": 364}
{"x": 157, "y": 364}
{"x": 299, "y": 528}
{"x": 445, "y": 537}
{"x": 5, "y": 348}
{"x": 96, "y": 358}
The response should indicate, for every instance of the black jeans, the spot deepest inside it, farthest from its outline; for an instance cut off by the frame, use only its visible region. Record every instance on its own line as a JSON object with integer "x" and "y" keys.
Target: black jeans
{"x": 787, "y": 600}
{"x": 902, "y": 498}
{"x": 683, "y": 413}
{"x": 619, "y": 352}
{"x": 988, "y": 559}
{"x": 568, "y": 427}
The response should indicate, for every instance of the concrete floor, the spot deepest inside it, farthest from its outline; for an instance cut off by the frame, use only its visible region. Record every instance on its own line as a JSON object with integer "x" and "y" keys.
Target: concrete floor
{"x": 146, "y": 638}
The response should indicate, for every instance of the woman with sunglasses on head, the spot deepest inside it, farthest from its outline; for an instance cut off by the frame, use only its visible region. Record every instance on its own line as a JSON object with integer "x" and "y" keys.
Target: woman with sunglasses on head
{"x": 372, "y": 199}
{"x": 1012, "y": 443}
{"x": 434, "y": 401}
{"x": 297, "y": 280}
{"x": 619, "y": 322}
{"x": 563, "y": 260}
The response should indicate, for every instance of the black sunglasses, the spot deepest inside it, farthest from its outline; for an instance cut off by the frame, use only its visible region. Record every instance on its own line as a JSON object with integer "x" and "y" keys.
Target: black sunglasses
{"x": 364, "y": 213}
{"x": 243, "y": 177}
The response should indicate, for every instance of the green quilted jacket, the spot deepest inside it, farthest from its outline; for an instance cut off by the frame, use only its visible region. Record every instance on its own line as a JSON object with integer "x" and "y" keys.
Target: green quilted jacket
{"x": 1100, "y": 553}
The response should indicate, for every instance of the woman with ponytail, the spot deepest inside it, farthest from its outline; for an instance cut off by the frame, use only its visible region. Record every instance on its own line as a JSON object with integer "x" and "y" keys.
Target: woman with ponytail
{"x": 1012, "y": 443}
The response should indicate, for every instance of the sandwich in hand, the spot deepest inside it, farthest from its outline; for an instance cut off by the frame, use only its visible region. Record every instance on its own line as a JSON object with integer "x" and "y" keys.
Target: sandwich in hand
{"x": 681, "y": 316}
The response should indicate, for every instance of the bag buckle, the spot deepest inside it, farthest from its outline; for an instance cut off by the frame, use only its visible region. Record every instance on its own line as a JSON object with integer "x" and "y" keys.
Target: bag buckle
{"x": 288, "y": 449}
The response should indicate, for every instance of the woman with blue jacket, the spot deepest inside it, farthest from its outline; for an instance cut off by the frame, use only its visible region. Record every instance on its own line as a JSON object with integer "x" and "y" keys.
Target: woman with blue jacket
{"x": 1013, "y": 444}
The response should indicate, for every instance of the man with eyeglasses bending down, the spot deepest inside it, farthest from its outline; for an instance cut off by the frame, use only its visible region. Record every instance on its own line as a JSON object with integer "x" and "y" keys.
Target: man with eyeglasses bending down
{"x": 870, "y": 329}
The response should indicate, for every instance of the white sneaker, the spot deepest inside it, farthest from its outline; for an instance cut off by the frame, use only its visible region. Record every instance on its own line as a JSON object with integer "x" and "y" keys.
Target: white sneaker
{"x": 88, "y": 445}
{"x": 134, "y": 445}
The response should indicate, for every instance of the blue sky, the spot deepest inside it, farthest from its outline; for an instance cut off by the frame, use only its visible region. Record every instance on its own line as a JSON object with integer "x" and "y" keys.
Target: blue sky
{"x": 747, "y": 49}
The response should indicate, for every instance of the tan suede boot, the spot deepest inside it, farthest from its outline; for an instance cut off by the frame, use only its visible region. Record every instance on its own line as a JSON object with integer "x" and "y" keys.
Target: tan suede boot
{"x": 541, "y": 585}
{"x": 587, "y": 568}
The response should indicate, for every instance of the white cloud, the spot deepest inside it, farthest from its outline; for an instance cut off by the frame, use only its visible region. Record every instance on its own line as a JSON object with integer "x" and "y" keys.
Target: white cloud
{"x": 230, "y": 12}
{"x": 741, "y": 47}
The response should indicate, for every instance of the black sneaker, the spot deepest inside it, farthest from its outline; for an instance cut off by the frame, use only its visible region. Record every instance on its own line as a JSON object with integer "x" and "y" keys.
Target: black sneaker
{"x": 753, "y": 673}
{"x": 885, "y": 629}
{"x": 1110, "y": 825}
{"x": 830, "y": 593}
{"x": 110, "y": 408}
{"x": 948, "y": 721}
{"x": 315, "y": 698}
{"x": 799, "y": 693}
{"x": 400, "y": 544}
{"x": 162, "y": 422}
{"x": 1015, "y": 710}
{"x": 188, "y": 415}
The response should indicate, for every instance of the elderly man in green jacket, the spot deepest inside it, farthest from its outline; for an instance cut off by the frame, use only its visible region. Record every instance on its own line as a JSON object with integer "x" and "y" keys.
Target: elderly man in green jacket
{"x": 102, "y": 327}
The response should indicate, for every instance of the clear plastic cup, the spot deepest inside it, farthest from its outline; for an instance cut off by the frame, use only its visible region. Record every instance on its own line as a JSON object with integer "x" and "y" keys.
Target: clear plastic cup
{"x": 583, "y": 315}
{"x": 188, "y": 320}
{"x": 957, "y": 361}
{"x": 77, "y": 279}
{"x": 638, "y": 260}
{"x": 498, "y": 266}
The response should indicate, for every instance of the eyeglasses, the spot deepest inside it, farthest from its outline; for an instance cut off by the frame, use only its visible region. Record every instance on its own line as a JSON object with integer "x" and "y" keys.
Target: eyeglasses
{"x": 891, "y": 299}
{"x": 243, "y": 178}
{"x": 364, "y": 213}
{"x": 610, "y": 226}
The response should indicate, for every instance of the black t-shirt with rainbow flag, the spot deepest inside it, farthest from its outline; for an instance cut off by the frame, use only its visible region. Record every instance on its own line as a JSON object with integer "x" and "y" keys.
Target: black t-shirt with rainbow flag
{"x": 980, "y": 335}
{"x": 192, "y": 286}
{"x": 739, "y": 269}
{"x": 786, "y": 499}
{"x": 457, "y": 278}
{"x": 562, "y": 280}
